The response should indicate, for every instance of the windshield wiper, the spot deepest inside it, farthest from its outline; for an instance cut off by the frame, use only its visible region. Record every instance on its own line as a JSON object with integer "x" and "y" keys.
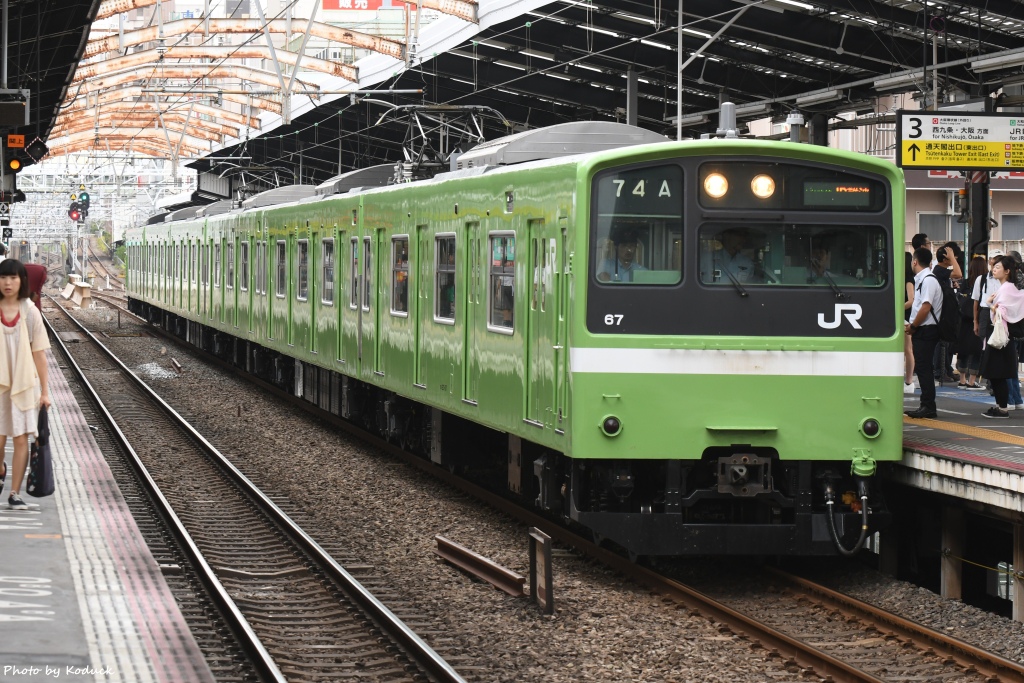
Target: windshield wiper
{"x": 739, "y": 287}
{"x": 832, "y": 283}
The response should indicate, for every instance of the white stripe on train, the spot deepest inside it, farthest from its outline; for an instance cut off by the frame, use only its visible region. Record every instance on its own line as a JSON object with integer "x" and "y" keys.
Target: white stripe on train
{"x": 737, "y": 362}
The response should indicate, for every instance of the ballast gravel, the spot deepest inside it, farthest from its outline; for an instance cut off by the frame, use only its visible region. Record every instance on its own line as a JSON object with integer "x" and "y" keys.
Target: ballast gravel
{"x": 354, "y": 497}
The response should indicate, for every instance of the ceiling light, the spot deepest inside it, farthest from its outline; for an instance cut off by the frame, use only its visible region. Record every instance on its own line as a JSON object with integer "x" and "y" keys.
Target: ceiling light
{"x": 753, "y": 109}
{"x": 818, "y": 97}
{"x": 691, "y": 120}
{"x": 908, "y": 80}
{"x": 1007, "y": 60}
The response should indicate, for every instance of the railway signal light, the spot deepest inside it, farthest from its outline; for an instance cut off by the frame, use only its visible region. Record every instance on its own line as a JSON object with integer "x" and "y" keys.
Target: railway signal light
{"x": 75, "y": 211}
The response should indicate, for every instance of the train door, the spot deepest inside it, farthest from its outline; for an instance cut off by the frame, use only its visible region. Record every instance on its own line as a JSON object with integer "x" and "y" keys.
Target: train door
{"x": 380, "y": 300}
{"x": 541, "y": 327}
{"x": 476, "y": 317}
{"x": 424, "y": 312}
{"x": 561, "y": 269}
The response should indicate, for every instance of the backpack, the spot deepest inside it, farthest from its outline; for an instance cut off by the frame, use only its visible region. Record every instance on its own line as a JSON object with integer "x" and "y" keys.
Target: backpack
{"x": 948, "y": 319}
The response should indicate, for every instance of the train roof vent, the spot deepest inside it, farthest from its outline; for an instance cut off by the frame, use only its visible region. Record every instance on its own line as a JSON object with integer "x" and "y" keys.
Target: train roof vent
{"x": 374, "y": 176}
{"x": 223, "y": 206}
{"x": 555, "y": 141}
{"x": 182, "y": 214}
{"x": 279, "y": 195}
{"x": 157, "y": 218}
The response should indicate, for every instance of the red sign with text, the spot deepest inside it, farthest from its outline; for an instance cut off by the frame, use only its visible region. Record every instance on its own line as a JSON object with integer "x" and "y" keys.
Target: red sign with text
{"x": 353, "y": 4}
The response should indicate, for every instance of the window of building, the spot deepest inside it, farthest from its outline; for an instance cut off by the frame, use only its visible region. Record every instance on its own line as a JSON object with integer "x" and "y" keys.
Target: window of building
{"x": 302, "y": 272}
{"x": 444, "y": 278}
{"x": 282, "y": 273}
{"x": 935, "y": 225}
{"x": 400, "y": 274}
{"x": 327, "y": 261}
{"x": 502, "y": 282}
{"x": 1013, "y": 226}
{"x": 243, "y": 266}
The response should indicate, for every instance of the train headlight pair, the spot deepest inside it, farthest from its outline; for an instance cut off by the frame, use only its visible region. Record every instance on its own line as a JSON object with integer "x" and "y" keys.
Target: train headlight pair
{"x": 716, "y": 185}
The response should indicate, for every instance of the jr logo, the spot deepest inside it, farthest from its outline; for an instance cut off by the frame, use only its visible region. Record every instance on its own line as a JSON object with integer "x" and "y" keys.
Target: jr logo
{"x": 852, "y": 313}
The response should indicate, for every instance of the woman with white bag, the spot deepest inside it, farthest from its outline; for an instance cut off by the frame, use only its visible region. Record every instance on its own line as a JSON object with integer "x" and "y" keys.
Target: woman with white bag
{"x": 999, "y": 361}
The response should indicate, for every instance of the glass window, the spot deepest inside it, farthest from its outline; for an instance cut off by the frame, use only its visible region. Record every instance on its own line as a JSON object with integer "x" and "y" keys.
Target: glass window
{"x": 400, "y": 274}
{"x": 502, "y": 281}
{"x": 216, "y": 265}
{"x": 638, "y": 226}
{"x": 367, "y": 272}
{"x": 444, "y": 278}
{"x": 206, "y": 264}
{"x": 177, "y": 261}
{"x": 243, "y": 266}
{"x": 281, "y": 286}
{"x": 229, "y": 266}
{"x": 302, "y": 279}
{"x": 327, "y": 261}
{"x": 354, "y": 289}
{"x": 808, "y": 255}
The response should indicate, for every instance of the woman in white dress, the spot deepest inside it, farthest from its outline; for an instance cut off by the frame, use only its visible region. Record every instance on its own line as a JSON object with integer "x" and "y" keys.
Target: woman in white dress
{"x": 23, "y": 371}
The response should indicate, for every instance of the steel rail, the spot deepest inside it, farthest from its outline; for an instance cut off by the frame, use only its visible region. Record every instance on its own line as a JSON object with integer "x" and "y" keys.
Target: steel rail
{"x": 417, "y": 650}
{"x": 243, "y": 632}
{"x": 987, "y": 663}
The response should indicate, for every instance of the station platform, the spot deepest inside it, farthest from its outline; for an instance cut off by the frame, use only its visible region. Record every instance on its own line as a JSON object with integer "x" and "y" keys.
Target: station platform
{"x": 81, "y": 597}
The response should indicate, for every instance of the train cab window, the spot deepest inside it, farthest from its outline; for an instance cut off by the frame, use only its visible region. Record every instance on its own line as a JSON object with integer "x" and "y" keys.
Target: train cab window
{"x": 638, "y": 226}
{"x": 501, "y": 292}
{"x": 327, "y": 267}
{"x": 400, "y": 275}
{"x": 243, "y": 266}
{"x": 229, "y": 266}
{"x": 354, "y": 273}
{"x": 281, "y": 285}
{"x": 367, "y": 273}
{"x": 216, "y": 264}
{"x": 302, "y": 272}
{"x": 832, "y": 256}
{"x": 444, "y": 279}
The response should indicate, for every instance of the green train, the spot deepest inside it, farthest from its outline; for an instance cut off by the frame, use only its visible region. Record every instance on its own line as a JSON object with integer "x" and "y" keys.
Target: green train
{"x": 685, "y": 347}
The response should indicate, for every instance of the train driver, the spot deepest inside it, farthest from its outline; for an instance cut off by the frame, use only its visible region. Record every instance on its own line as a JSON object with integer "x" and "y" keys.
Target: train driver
{"x": 620, "y": 266}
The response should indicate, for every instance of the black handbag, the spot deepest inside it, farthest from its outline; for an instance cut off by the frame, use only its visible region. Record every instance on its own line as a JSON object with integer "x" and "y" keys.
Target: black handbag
{"x": 40, "y": 467}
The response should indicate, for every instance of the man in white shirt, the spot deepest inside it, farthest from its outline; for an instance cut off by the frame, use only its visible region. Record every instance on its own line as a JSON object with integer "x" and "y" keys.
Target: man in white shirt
{"x": 923, "y": 325}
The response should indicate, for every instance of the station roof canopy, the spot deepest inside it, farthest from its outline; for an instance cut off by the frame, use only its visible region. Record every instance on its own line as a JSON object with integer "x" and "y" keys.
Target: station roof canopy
{"x": 494, "y": 67}
{"x": 45, "y": 40}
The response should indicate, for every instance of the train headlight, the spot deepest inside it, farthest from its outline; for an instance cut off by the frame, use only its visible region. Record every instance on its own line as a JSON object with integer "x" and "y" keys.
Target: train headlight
{"x": 716, "y": 185}
{"x": 870, "y": 428}
{"x": 763, "y": 186}
{"x": 611, "y": 426}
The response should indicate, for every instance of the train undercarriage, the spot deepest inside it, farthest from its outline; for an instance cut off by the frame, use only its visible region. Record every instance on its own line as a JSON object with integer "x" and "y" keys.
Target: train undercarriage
{"x": 740, "y": 500}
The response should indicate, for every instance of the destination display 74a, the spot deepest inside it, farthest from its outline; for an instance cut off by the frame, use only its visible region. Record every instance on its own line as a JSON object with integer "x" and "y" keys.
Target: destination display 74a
{"x": 960, "y": 141}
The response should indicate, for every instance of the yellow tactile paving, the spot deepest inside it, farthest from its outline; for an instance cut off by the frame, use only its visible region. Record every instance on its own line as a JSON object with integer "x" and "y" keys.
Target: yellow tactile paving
{"x": 967, "y": 430}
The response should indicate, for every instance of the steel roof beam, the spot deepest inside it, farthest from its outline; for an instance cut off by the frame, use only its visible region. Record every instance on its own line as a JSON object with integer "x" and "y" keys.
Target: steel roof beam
{"x": 180, "y": 27}
{"x": 190, "y": 72}
{"x": 218, "y": 52}
{"x": 107, "y": 104}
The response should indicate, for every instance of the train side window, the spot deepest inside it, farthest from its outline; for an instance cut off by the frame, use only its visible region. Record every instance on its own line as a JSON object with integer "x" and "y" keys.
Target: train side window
{"x": 444, "y": 279}
{"x": 177, "y": 262}
{"x": 354, "y": 274}
{"x": 302, "y": 275}
{"x": 367, "y": 273}
{"x": 501, "y": 292}
{"x": 281, "y": 286}
{"x": 400, "y": 274}
{"x": 243, "y": 266}
{"x": 261, "y": 267}
{"x": 327, "y": 264}
{"x": 216, "y": 264}
{"x": 206, "y": 264}
{"x": 229, "y": 266}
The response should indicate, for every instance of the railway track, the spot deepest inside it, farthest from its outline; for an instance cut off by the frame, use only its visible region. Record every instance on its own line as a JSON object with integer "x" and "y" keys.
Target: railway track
{"x": 299, "y": 615}
{"x": 812, "y": 628}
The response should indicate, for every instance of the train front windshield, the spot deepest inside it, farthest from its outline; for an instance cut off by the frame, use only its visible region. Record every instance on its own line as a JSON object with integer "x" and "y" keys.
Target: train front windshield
{"x": 669, "y": 239}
